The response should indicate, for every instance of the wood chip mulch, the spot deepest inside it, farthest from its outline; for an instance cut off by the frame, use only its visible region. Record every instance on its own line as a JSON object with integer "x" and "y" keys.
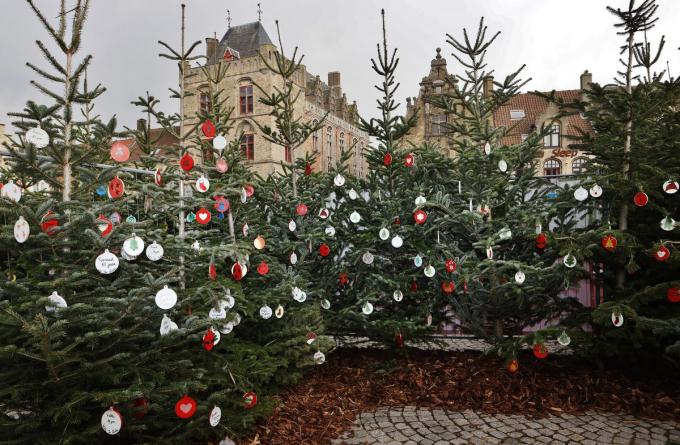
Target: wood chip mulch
{"x": 326, "y": 402}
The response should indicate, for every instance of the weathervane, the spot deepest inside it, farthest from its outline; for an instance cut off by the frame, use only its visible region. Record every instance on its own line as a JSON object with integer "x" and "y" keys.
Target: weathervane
{"x": 259, "y": 13}
{"x": 228, "y": 19}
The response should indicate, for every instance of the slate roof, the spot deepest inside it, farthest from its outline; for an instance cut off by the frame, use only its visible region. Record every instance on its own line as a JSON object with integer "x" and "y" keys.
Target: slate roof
{"x": 246, "y": 39}
{"x": 534, "y": 106}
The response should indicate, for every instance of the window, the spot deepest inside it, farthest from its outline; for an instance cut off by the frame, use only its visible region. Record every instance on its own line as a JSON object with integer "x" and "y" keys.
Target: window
{"x": 552, "y": 139}
{"x": 438, "y": 90}
{"x": 246, "y": 99}
{"x": 355, "y": 155}
{"x": 342, "y": 143}
{"x": 552, "y": 167}
{"x": 205, "y": 103}
{"x": 578, "y": 166}
{"x": 437, "y": 121}
{"x": 315, "y": 138}
{"x": 516, "y": 115}
{"x": 329, "y": 144}
{"x": 248, "y": 146}
{"x": 288, "y": 154}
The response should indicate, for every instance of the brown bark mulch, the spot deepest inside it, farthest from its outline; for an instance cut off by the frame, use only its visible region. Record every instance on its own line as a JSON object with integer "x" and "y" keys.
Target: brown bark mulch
{"x": 330, "y": 397}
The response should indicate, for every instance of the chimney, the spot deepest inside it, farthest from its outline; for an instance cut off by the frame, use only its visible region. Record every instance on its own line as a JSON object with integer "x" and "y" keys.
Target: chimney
{"x": 586, "y": 80}
{"x": 488, "y": 86}
{"x": 141, "y": 124}
{"x": 334, "y": 79}
{"x": 210, "y": 47}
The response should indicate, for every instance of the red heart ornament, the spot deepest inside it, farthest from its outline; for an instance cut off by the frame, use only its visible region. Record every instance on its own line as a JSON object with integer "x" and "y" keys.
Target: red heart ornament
{"x": 409, "y": 160}
{"x": 662, "y": 254}
{"x": 208, "y": 129}
{"x": 641, "y": 199}
{"x": 203, "y": 216}
{"x": 324, "y": 250}
{"x": 185, "y": 407}
{"x": 186, "y": 162}
{"x": 540, "y": 351}
{"x": 450, "y": 265}
{"x": 116, "y": 188}
{"x": 673, "y": 295}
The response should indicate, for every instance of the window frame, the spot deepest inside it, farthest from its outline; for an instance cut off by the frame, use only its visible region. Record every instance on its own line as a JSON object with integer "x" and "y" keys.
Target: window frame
{"x": 246, "y": 99}
{"x": 436, "y": 122}
{"x": 204, "y": 106}
{"x": 554, "y": 138}
{"x": 248, "y": 146}
{"x": 581, "y": 166}
{"x": 549, "y": 171}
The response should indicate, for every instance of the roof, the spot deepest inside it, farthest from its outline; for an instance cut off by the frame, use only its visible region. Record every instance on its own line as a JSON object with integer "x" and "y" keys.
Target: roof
{"x": 159, "y": 138}
{"x": 534, "y": 106}
{"x": 246, "y": 39}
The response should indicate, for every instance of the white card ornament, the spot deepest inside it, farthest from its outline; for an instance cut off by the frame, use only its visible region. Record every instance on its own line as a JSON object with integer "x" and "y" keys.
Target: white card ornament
{"x": 11, "y": 191}
{"x": 569, "y": 260}
{"x": 330, "y": 231}
{"x": 487, "y": 148}
{"x": 106, "y": 263}
{"x": 319, "y": 358}
{"x": 278, "y": 313}
{"x": 244, "y": 196}
{"x": 167, "y": 325}
{"x": 353, "y": 194}
{"x": 595, "y": 191}
{"x": 397, "y": 242}
{"x": 355, "y": 217}
{"x": 219, "y": 143}
{"x": 245, "y": 229}
{"x": 325, "y": 304}
{"x": 367, "y": 258}
{"x": 670, "y": 187}
{"x": 112, "y": 422}
{"x": 293, "y": 258}
{"x": 429, "y": 271}
{"x": 520, "y": 277}
{"x": 502, "y": 165}
{"x": 564, "y": 339}
{"x": 38, "y": 137}
{"x": 505, "y": 234}
{"x": 617, "y": 318}
{"x": 21, "y": 230}
{"x": 489, "y": 252}
{"x": 581, "y": 194}
{"x": 127, "y": 257}
{"x": 202, "y": 184}
{"x": 227, "y": 328}
{"x": 216, "y": 412}
{"x": 166, "y": 298}
{"x": 228, "y": 301}
{"x": 55, "y": 303}
{"x": 667, "y": 224}
{"x": 420, "y": 200}
{"x": 384, "y": 234}
{"x": 339, "y": 180}
{"x": 196, "y": 246}
{"x": 266, "y": 312}
{"x": 218, "y": 313}
{"x": 418, "y": 261}
{"x": 367, "y": 308}
{"x": 133, "y": 246}
{"x": 237, "y": 319}
{"x": 398, "y": 295}
{"x": 299, "y": 295}
{"x": 292, "y": 226}
{"x": 154, "y": 251}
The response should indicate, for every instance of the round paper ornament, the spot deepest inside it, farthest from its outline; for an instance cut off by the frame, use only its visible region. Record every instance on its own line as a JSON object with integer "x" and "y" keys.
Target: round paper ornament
{"x": 186, "y": 162}
{"x": 115, "y": 218}
{"x": 319, "y": 358}
{"x": 221, "y": 204}
{"x": 397, "y": 242}
{"x": 330, "y": 231}
{"x": 502, "y": 165}
{"x": 641, "y": 199}
{"x": 540, "y": 351}
{"x": 167, "y": 325}
{"x": 293, "y": 258}
{"x": 208, "y": 129}
{"x": 670, "y": 187}
{"x": 263, "y": 268}
{"x": 564, "y": 339}
{"x": 310, "y": 338}
{"x": 259, "y": 242}
{"x": 595, "y": 191}
{"x": 384, "y": 234}
{"x": 211, "y": 338}
{"x": 339, "y": 180}
{"x": 11, "y": 191}
{"x": 325, "y": 304}
{"x": 353, "y": 194}
{"x": 300, "y": 297}
{"x": 249, "y": 400}
{"x": 409, "y": 160}
{"x": 127, "y": 257}
{"x": 520, "y": 277}
{"x": 166, "y": 298}
{"x": 203, "y": 216}
{"x": 387, "y": 159}
{"x": 21, "y": 230}
{"x": 398, "y": 295}
{"x": 185, "y": 407}
{"x": 228, "y": 301}
{"x": 112, "y": 421}
{"x": 323, "y": 213}
{"x": 617, "y": 318}
{"x": 266, "y": 312}
{"x": 450, "y": 265}
{"x": 202, "y": 184}
{"x": 419, "y": 216}
{"x": 133, "y": 246}
{"x": 106, "y": 263}
{"x": 238, "y": 271}
{"x": 301, "y": 209}
{"x": 38, "y": 137}
{"x": 218, "y": 313}
{"x": 131, "y": 219}
{"x": 292, "y": 226}
{"x": 581, "y": 194}
{"x": 100, "y": 190}
{"x": 513, "y": 366}
{"x": 215, "y": 414}
{"x": 355, "y": 217}
{"x": 448, "y": 287}
{"x": 609, "y": 242}
{"x": 367, "y": 258}
{"x": 429, "y": 271}
{"x": 662, "y": 253}
{"x": 673, "y": 294}
{"x": 279, "y": 311}
{"x": 120, "y": 152}
{"x": 116, "y": 188}
{"x": 487, "y": 148}
{"x": 219, "y": 143}
{"x": 418, "y": 261}
{"x": 667, "y": 224}
{"x": 420, "y": 200}
{"x": 569, "y": 260}
{"x": 324, "y": 250}
{"x": 367, "y": 308}
{"x": 227, "y": 328}
{"x": 191, "y": 217}
{"x": 221, "y": 165}
{"x": 55, "y": 302}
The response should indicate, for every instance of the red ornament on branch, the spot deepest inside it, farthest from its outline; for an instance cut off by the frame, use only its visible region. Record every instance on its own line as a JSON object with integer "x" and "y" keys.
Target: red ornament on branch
{"x": 641, "y": 199}
{"x": 324, "y": 250}
{"x": 414, "y": 285}
{"x": 540, "y": 351}
{"x": 301, "y": 209}
{"x": 662, "y": 254}
{"x": 450, "y": 265}
{"x": 185, "y": 407}
{"x": 116, "y": 188}
{"x": 387, "y": 159}
{"x": 409, "y": 160}
{"x": 541, "y": 241}
{"x": 250, "y": 400}
{"x": 237, "y": 271}
{"x": 448, "y": 287}
{"x": 209, "y": 339}
{"x": 419, "y": 216}
{"x": 212, "y": 272}
{"x": 609, "y": 242}
{"x": 141, "y": 408}
{"x": 513, "y": 366}
{"x": 673, "y": 295}
{"x": 49, "y": 223}
{"x": 308, "y": 169}
{"x": 186, "y": 162}
{"x": 343, "y": 278}
{"x": 399, "y": 340}
{"x": 263, "y": 268}
{"x": 208, "y": 129}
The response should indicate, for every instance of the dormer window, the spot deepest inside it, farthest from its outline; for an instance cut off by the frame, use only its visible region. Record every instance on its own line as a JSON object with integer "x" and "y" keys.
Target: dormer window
{"x": 516, "y": 115}
{"x": 552, "y": 139}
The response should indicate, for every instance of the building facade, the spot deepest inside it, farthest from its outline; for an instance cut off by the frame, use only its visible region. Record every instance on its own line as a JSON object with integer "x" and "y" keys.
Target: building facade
{"x": 240, "y": 49}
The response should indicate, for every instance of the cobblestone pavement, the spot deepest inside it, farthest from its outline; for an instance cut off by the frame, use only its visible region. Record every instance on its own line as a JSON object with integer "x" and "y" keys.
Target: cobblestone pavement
{"x": 418, "y": 426}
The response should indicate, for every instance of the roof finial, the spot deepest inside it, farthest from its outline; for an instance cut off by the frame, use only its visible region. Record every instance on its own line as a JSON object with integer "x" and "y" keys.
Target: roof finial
{"x": 259, "y": 13}
{"x": 228, "y": 19}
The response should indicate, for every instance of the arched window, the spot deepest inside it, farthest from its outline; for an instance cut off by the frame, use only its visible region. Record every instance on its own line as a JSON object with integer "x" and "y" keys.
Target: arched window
{"x": 578, "y": 166}
{"x": 552, "y": 167}
{"x": 342, "y": 143}
{"x": 329, "y": 144}
{"x": 315, "y": 137}
{"x": 552, "y": 139}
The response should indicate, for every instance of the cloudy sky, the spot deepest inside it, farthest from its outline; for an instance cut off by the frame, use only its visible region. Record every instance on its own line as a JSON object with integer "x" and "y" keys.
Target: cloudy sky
{"x": 556, "y": 39}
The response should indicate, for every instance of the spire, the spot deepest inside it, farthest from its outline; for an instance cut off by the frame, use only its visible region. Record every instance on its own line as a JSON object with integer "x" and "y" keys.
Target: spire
{"x": 228, "y": 19}
{"x": 259, "y": 13}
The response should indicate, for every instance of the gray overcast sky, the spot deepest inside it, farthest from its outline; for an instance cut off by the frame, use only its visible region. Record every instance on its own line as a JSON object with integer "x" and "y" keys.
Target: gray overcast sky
{"x": 556, "y": 39}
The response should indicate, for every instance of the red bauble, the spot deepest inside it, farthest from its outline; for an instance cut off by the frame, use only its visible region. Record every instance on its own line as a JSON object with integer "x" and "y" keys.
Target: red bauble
{"x": 540, "y": 351}
{"x": 419, "y": 216}
{"x": 397, "y": 220}
{"x": 119, "y": 151}
{"x": 541, "y": 238}
{"x": 301, "y": 209}
{"x": 673, "y": 295}
{"x": 343, "y": 278}
{"x": 203, "y": 216}
{"x": 387, "y": 159}
{"x": 209, "y": 339}
{"x": 448, "y": 287}
{"x": 450, "y": 265}
{"x": 116, "y": 188}
{"x": 308, "y": 169}
{"x": 263, "y": 268}
{"x": 414, "y": 285}
{"x": 186, "y": 162}
{"x": 141, "y": 408}
{"x": 324, "y": 250}
{"x": 662, "y": 254}
{"x": 158, "y": 177}
{"x": 212, "y": 272}
{"x": 641, "y": 199}
{"x": 237, "y": 271}
{"x": 250, "y": 190}
{"x": 609, "y": 242}
{"x": 409, "y": 160}
{"x": 208, "y": 129}
{"x": 185, "y": 407}
{"x": 49, "y": 223}
{"x": 399, "y": 340}
{"x": 513, "y": 366}
{"x": 249, "y": 399}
